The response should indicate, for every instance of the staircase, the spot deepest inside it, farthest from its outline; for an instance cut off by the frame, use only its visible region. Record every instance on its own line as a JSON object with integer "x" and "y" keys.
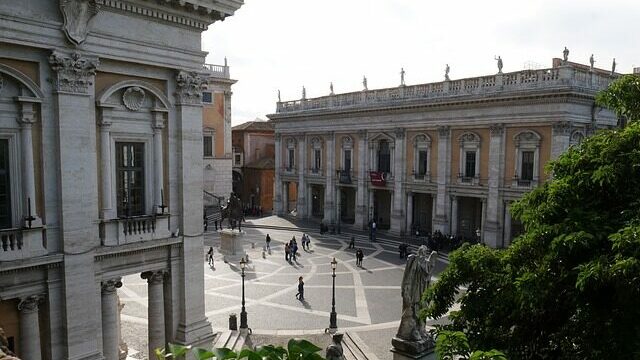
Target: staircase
{"x": 229, "y": 339}
{"x": 355, "y": 349}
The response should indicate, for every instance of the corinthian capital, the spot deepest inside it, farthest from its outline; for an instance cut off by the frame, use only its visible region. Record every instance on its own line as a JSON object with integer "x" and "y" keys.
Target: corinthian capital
{"x": 29, "y": 303}
{"x": 189, "y": 86}
{"x": 110, "y": 286}
{"x": 73, "y": 72}
{"x": 154, "y": 277}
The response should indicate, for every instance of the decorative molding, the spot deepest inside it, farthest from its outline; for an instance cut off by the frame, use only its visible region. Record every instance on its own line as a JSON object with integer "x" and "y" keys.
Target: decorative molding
{"x": 469, "y": 137}
{"x": 444, "y": 131}
{"x": 347, "y": 141}
{"x": 399, "y": 133}
{"x": 111, "y": 286}
{"x": 133, "y": 98}
{"x": 154, "y": 277}
{"x": 1, "y": 83}
{"x": 74, "y": 72}
{"x": 561, "y": 128}
{"x": 527, "y": 138}
{"x": 189, "y": 86}
{"x": 77, "y": 14}
{"x": 278, "y": 136}
{"x": 29, "y": 304}
{"x": 496, "y": 129}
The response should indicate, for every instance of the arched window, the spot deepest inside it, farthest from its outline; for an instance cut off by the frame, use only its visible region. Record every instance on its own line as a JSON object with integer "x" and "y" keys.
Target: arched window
{"x": 316, "y": 154}
{"x": 576, "y": 137}
{"x": 291, "y": 154}
{"x": 469, "y": 171}
{"x": 421, "y": 157}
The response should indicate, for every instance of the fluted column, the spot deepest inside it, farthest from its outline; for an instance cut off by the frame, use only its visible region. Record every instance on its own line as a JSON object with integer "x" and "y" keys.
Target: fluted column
{"x": 110, "y": 313}
{"x": 302, "y": 168}
{"x": 361, "y": 196}
{"x": 441, "y": 215}
{"x": 277, "y": 198}
{"x": 155, "y": 309}
{"x": 27, "y": 120}
{"x": 329, "y": 190}
{"x": 29, "y": 328}
{"x": 454, "y": 215}
{"x": 158, "y": 168}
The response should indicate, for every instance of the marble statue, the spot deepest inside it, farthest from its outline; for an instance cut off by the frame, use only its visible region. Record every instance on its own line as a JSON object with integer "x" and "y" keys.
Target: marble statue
{"x": 446, "y": 73}
{"x": 331, "y": 88}
{"x": 613, "y": 67}
{"x": 364, "y": 83}
{"x": 304, "y": 93}
{"x": 412, "y": 336}
{"x": 565, "y": 55}
{"x": 279, "y": 99}
{"x": 591, "y": 61}
{"x": 334, "y": 350}
{"x": 499, "y": 59}
{"x": 401, "y": 76}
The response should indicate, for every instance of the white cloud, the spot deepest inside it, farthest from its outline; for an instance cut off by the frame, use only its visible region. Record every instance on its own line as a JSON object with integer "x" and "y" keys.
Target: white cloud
{"x": 284, "y": 44}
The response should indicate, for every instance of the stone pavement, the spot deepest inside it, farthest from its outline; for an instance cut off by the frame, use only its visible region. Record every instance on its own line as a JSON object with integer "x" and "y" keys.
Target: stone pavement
{"x": 368, "y": 300}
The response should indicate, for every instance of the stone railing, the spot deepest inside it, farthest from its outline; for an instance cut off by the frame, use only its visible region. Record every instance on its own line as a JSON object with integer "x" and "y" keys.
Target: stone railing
{"x": 484, "y": 85}
{"x": 221, "y": 71}
{"x": 20, "y": 244}
{"x": 134, "y": 229}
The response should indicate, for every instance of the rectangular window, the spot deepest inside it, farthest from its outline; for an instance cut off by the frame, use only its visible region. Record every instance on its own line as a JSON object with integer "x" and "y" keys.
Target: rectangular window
{"x": 317, "y": 160}
{"x": 130, "y": 177}
{"x": 5, "y": 188}
{"x": 207, "y": 97}
{"x": 291, "y": 158}
{"x": 237, "y": 159}
{"x": 470, "y": 164}
{"x": 208, "y": 146}
{"x": 526, "y": 170}
{"x": 384, "y": 157}
{"x": 347, "y": 160}
{"x": 422, "y": 162}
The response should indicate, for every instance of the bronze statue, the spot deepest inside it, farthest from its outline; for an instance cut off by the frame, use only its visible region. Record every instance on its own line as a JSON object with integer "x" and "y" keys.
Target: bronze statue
{"x": 412, "y": 336}
{"x": 234, "y": 211}
{"x": 334, "y": 350}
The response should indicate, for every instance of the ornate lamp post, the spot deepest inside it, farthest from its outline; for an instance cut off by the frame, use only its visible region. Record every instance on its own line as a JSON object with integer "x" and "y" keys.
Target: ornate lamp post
{"x": 333, "y": 318}
{"x": 243, "y": 313}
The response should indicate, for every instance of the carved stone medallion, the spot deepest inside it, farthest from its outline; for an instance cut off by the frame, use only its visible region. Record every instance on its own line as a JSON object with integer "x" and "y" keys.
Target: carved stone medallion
{"x": 133, "y": 98}
{"x": 77, "y": 14}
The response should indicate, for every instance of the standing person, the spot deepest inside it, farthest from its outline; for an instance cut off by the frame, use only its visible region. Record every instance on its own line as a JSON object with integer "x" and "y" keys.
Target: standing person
{"x": 352, "y": 243}
{"x": 210, "y": 255}
{"x": 268, "y": 241}
{"x": 294, "y": 248}
{"x": 286, "y": 252}
{"x": 359, "y": 256}
{"x": 373, "y": 230}
{"x": 300, "y": 294}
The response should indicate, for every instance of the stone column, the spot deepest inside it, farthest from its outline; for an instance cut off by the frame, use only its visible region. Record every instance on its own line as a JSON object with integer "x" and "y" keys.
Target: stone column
{"x": 441, "y": 215}
{"x": 155, "y": 309}
{"x": 454, "y": 215}
{"x": 227, "y": 123}
{"x": 363, "y": 177}
{"x": 74, "y": 113}
{"x": 285, "y": 198}
{"x": 29, "y": 328}
{"x": 560, "y": 138}
{"x": 26, "y": 120}
{"x": 277, "y": 197}
{"x": 110, "y": 323}
{"x": 302, "y": 168}
{"x": 158, "y": 161}
{"x": 123, "y": 348}
{"x": 507, "y": 225}
{"x": 491, "y": 227}
{"x": 483, "y": 221}
{"x": 399, "y": 169}
{"x": 107, "y": 210}
{"x": 329, "y": 189}
{"x": 409, "y": 212}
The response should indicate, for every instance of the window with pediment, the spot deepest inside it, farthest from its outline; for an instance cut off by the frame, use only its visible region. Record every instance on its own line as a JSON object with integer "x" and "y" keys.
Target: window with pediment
{"x": 422, "y": 154}
{"x": 384, "y": 156}
{"x": 576, "y": 137}
{"x": 291, "y": 154}
{"x": 316, "y": 154}
{"x": 527, "y": 155}
{"x": 469, "y": 167}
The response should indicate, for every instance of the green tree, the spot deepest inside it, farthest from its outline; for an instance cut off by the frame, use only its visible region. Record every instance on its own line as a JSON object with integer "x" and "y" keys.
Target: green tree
{"x": 296, "y": 349}
{"x": 569, "y": 287}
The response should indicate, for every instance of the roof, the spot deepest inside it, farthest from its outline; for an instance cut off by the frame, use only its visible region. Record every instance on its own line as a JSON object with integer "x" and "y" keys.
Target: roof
{"x": 264, "y": 163}
{"x": 255, "y": 126}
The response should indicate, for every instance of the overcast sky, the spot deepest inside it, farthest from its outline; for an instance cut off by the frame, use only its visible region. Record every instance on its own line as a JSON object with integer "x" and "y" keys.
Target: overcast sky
{"x": 284, "y": 44}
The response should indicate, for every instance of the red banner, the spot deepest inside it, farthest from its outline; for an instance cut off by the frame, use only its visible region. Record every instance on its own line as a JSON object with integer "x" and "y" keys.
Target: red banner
{"x": 377, "y": 178}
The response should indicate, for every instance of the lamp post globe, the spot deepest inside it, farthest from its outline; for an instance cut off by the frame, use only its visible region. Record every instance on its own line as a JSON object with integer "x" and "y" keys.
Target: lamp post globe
{"x": 243, "y": 312}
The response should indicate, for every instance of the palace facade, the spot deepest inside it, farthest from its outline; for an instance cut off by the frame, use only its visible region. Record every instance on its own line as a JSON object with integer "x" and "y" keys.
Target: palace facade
{"x": 101, "y": 170}
{"x": 448, "y": 156}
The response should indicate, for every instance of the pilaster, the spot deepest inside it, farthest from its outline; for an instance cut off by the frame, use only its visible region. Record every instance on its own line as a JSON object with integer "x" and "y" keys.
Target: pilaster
{"x": 302, "y": 168}
{"x": 560, "y": 138}
{"x": 329, "y": 190}
{"x": 491, "y": 226}
{"x": 361, "y": 215}
{"x": 398, "y": 222}
{"x": 441, "y": 215}
{"x": 277, "y": 196}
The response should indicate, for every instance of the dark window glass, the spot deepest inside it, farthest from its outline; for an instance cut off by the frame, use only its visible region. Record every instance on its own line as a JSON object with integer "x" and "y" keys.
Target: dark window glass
{"x": 208, "y": 146}
{"x": 347, "y": 160}
{"x": 422, "y": 162}
{"x": 237, "y": 159}
{"x": 470, "y": 164}
{"x": 384, "y": 157}
{"x": 526, "y": 172}
{"x": 291, "y": 158}
{"x": 207, "y": 97}
{"x": 317, "y": 159}
{"x": 5, "y": 188}
{"x": 130, "y": 168}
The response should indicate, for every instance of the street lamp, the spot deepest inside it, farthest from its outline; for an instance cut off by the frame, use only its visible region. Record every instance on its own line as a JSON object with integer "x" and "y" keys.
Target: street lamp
{"x": 333, "y": 318}
{"x": 243, "y": 313}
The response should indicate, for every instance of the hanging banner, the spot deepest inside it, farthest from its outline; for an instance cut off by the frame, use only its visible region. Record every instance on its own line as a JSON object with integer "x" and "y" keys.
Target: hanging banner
{"x": 377, "y": 178}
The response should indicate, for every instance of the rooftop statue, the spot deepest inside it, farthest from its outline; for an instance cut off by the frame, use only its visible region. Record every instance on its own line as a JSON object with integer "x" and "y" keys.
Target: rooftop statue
{"x": 565, "y": 55}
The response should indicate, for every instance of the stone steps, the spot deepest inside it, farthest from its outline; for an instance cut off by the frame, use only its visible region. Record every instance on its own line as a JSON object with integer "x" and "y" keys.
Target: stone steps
{"x": 355, "y": 349}
{"x": 229, "y": 339}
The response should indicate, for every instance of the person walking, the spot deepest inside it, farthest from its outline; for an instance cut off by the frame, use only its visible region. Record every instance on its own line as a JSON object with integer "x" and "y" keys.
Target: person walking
{"x": 352, "y": 243}
{"x": 373, "y": 230}
{"x": 286, "y": 252}
{"x": 359, "y": 257}
{"x": 294, "y": 248}
{"x": 268, "y": 241}
{"x": 300, "y": 293}
{"x": 210, "y": 255}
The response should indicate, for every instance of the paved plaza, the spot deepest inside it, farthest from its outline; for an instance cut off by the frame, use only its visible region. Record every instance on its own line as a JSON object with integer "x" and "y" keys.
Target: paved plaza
{"x": 368, "y": 300}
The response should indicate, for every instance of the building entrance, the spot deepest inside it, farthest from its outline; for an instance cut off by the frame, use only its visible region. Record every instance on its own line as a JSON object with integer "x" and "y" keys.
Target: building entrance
{"x": 469, "y": 217}
{"x": 347, "y": 205}
{"x": 382, "y": 208}
{"x": 422, "y": 213}
{"x": 317, "y": 201}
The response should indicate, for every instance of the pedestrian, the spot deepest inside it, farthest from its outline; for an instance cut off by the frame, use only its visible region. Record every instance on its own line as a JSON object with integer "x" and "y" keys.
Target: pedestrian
{"x": 294, "y": 248}
{"x": 308, "y": 242}
{"x": 215, "y": 224}
{"x": 286, "y": 252}
{"x": 373, "y": 230}
{"x": 352, "y": 243}
{"x": 300, "y": 293}
{"x": 268, "y": 241}
{"x": 359, "y": 257}
{"x": 210, "y": 256}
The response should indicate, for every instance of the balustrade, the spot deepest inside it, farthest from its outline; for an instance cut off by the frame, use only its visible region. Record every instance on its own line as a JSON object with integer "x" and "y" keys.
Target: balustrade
{"x": 19, "y": 244}
{"x": 134, "y": 229}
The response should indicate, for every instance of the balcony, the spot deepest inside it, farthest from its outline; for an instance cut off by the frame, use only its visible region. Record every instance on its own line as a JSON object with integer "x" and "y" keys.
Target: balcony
{"x": 523, "y": 183}
{"x": 421, "y": 177}
{"x": 288, "y": 170}
{"x": 20, "y": 244}
{"x": 219, "y": 71}
{"x": 316, "y": 172}
{"x": 468, "y": 180}
{"x": 345, "y": 176}
{"x": 134, "y": 229}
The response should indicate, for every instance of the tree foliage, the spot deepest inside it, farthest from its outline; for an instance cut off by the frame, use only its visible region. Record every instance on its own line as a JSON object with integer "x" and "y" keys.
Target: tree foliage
{"x": 623, "y": 97}
{"x": 296, "y": 349}
{"x": 569, "y": 287}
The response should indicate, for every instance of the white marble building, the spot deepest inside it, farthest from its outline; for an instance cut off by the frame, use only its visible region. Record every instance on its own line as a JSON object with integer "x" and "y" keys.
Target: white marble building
{"x": 101, "y": 162}
{"x": 448, "y": 156}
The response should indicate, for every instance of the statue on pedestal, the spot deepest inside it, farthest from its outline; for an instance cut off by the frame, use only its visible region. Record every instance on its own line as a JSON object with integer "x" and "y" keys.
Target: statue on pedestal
{"x": 446, "y": 73}
{"x": 234, "y": 211}
{"x": 412, "y": 336}
{"x": 364, "y": 83}
{"x": 279, "y": 99}
{"x": 613, "y": 67}
{"x": 334, "y": 350}
{"x": 402, "y": 77}
{"x": 591, "y": 61}
{"x": 499, "y": 60}
{"x": 565, "y": 55}
{"x": 331, "y": 88}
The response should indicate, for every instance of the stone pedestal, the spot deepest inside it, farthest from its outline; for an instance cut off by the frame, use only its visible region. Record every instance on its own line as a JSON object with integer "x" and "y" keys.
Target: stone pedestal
{"x": 412, "y": 350}
{"x": 428, "y": 355}
{"x": 231, "y": 245}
